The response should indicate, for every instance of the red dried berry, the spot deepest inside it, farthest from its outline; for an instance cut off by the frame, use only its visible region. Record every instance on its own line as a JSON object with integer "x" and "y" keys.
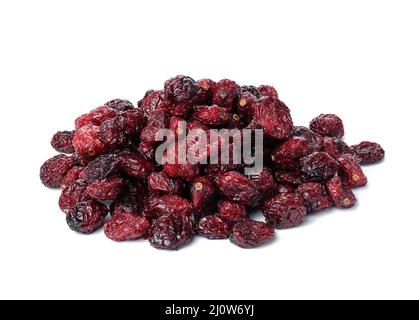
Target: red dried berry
{"x": 334, "y": 147}
{"x": 319, "y": 166}
{"x": 171, "y": 231}
{"x": 181, "y": 89}
{"x": 160, "y": 183}
{"x": 226, "y": 94}
{"x": 156, "y": 122}
{"x": 351, "y": 171}
{"x": 287, "y": 154}
{"x": 62, "y": 141}
{"x": 285, "y": 211}
{"x": 87, "y": 217}
{"x": 154, "y": 101}
{"x": 119, "y": 104}
{"x": 95, "y": 117}
{"x": 212, "y": 115}
{"x": 341, "y": 195}
{"x": 314, "y": 195}
{"x": 72, "y": 175}
{"x": 238, "y": 188}
{"x": 123, "y": 227}
{"x": 107, "y": 189}
{"x": 127, "y": 202}
{"x": 158, "y": 206}
{"x": 250, "y": 234}
{"x": 272, "y": 115}
{"x": 132, "y": 121}
{"x": 72, "y": 194}
{"x": 213, "y": 227}
{"x": 245, "y": 106}
{"x": 290, "y": 178}
{"x": 135, "y": 166}
{"x": 265, "y": 183}
{"x": 231, "y": 212}
{"x": 283, "y": 188}
{"x": 314, "y": 138}
{"x": 268, "y": 91}
{"x": 86, "y": 141}
{"x": 368, "y": 152}
{"x": 54, "y": 170}
{"x": 202, "y": 193}
{"x": 329, "y": 125}
{"x": 251, "y": 89}
{"x": 205, "y": 92}
{"x": 111, "y": 133}
{"x": 100, "y": 168}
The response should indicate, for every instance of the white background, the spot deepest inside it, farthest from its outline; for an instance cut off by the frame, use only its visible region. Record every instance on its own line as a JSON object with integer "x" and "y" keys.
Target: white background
{"x": 358, "y": 59}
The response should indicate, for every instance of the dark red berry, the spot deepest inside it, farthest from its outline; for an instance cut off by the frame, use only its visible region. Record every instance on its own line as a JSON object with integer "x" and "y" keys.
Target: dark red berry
{"x": 181, "y": 89}
{"x": 319, "y": 166}
{"x": 123, "y": 227}
{"x": 213, "y": 227}
{"x": 265, "y": 183}
{"x": 285, "y": 211}
{"x": 87, "y": 217}
{"x": 341, "y": 195}
{"x": 231, "y": 212}
{"x": 368, "y": 152}
{"x": 202, "y": 193}
{"x": 54, "y": 170}
{"x": 111, "y": 133}
{"x": 158, "y": 206}
{"x": 119, "y": 104}
{"x": 314, "y": 195}
{"x": 106, "y": 189}
{"x": 329, "y": 125}
{"x": 314, "y": 138}
{"x": 160, "y": 183}
{"x": 62, "y": 141}
{"x": 72, "y": 194}
{"x": 100, "y": 168}
{"x": 251, "y": 89}
{"x": 86, "y": 141}
{"x": 268, "y": 91}
{"x": 205, "y": 92}
{"x": 154, "y": 101}
{"x": 212, "y": 115}
{"x": 250, "y": 234}
{"x": 226, "y": 94}
{"x": 134, "y": 166}
{"x": 72, "y": 175}
{"x": 95, "y": 117}
{"x": 351, "y": 171}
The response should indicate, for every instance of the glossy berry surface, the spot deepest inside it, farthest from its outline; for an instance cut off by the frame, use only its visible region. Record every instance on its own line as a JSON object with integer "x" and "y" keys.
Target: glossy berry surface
{"x": 123, "y": 227}
{"x": 87, "y": 217}
{"x": 250, "y": 234}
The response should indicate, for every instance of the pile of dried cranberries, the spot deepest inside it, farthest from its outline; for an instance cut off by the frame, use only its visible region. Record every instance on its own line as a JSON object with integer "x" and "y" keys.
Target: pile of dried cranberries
{"x": 112, "y": 169}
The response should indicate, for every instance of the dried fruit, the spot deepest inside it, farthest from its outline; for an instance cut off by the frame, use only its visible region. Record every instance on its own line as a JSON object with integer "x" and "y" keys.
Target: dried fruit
{"x": 250, "y": 234}
{"x": 181, "y": 89}
{"x": 123, "y": 227}
{"x": 351, "y": 171}
{"x": 119, "y": 105}
{"x": 329, "y": 125}
{"x": 72, "y": 175}
{"x": 54, "y": 170}
{"x": 100, "y": 168}
{"x": 341, "y": 195}
{"x": 73, "y": 194}
{"x": 285, "y": 211}
{"x": 203, "y": 194}
{"x": 231, "y": 212}
{"x": 106, "y": 189}
{"x": 171, "y": 231}
{"x": 161, "y": 183}
{"x": 159, "y": 206}
{"x": 86, "y": 141}
{"x": 134, "y": 166}
{"x": 319, "y": 166}
{"x": 268, "y": 91}
{"x": 213, "y": 227}
{"x": 87, "y": 217}
{"x": 95, "y": 117}
{"x": 314, "y": 195}
{"x": 62, "y": 141}
{"x": 368, "y": 152}
{"x": 212, "y": 115}
{"x": 226, "y": 94}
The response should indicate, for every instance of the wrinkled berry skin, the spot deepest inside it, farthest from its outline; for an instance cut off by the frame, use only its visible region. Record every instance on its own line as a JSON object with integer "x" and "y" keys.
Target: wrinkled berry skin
{"x": 160, "y": 183}
{"x": 226, "y": 94}
{"x": 213, "y": 227}
{"x": 286, "y": 155}
{"x": 319, "y": 166}
{"x": 285, "y": 211}
{"x": 212, "y": 115}
{"x": 341, "y": 195}
{"x": 87, "y": 217}
{"x": 290, "y": 178}
{"x": 314, "y": 195}
{"x": 187, "y": 171}
{"x": 351, "y": 171}
{"x": 238, "y": 188}
{"x": 105, "y": 190}
{"x": 202, "y": 193}
{"x": 251, "y": 234}
{"x": 245, "y": 106}
{"x": 251, "y": 89}
{"x": 156, "y": 207}
{"x": 268, "y": 91}
{"x": 86, "y": 141}
{"x": 265, "y": 183}
{"x": 131, "y": 200}
{"x": 154, "y": 101}
{"x": 205, "y": 92}
{"x": 335, "y": 147}
{"x": 171, "y": 231}
{"x": 100, "y": 168}
{"x": 272, "y": 115}
{"x": 119, "y": 104}
{"x": 329, "y": 125}
{"x": 54, "y": 170}
{"x": 314, "y": 138}
{"x": 181, "y": 89}
{"x": 134, "y": 166}
{"x": 95, "y": 117}
{"x": 62, "y": 141}
{"x": 72, "y": 194}
{"x": 111, "y": 133}
{"x": 368, "y": 152}
{"x": 123, "y": 227}
{"x": 231, "y": 212}
{"x": 72, "y": 175}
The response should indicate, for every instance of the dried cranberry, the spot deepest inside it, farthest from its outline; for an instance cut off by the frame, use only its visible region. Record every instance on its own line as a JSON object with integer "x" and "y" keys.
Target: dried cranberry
{"x": 283, "y": 188}
{"x": 202, "y": 195}
{"x": 368, "y": 152}
{"x": 134, "y": 166}
{"x": 291, "y": 178}
{"x": 314, "y": 195}
{"x": 154, "y": 101}
{"x": 95, "y": 117}
{"x": 226, "y": 94}
{"x": 265, "y": 183}
{"x": 212, "y": 115}
{"x": 100, "y": 168}
{"x": 329, "y": 125}
{"x": 111, "y": 133}
{"x": 319, "y": 166}
{"x": 251, "y": 89}
{"x": 285, "y": 211}
{"x": 123, "y": 227}
{"x": 314, "y": 138}
{"x": 86, "y": 141}
{"x": 62, "y": 141}
{"x": 286, "y": 155}
{"x": 72, "y": 194}
{"x": 268, "y": 91}
{"x": 341, "y": 195}
{"x": 204, "y": 95}
{"x": 213, "y": 227}
{"x": 351, "y": 171}
{"x": 132, "y": 121}
{"x": 161, "y": 183}
{"x": 119, "y": 104}
{"x": 87, "y": 217}
{"x": 54, "y": 170}
{"x": 334, "y": 147}
{"x": 107, "y": 189}
{"x": 156, "y": 122}
{"x": 231, "y": 212}
{"x": 181, "y": 89}
{"x": 245, "y": 106}
{"x": 250, "y": 234}
{"x": 72, "y": 175}
{"x": 158, "y": 206}
{"x": 171, "y": 231}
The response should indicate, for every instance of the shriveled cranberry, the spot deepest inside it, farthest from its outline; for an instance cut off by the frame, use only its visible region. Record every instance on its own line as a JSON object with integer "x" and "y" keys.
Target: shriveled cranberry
{"x": 226, "y": 94}
{"x": 87, "y": 217}
{"x": 202, "y": 193}
{"x": 283, "y": 188}
{"x": 341, "y": 195}
{"x": 265, "y": 183}
{"x": 314, "y": 138}
{"x": 251, "y": 89}
{"x": 171, "y": 231}
{"x": 181, "y": 89}
{"x": 212, "y": 115}
{"x": 134, "y": 166}
{"x": 231, "y": 212}
{"x": 86, "y": 141}
{"x": 132, "y": 121}
{"x": 156, "y": 121}
{"x": 319, "y": 166}
{"x": 351, "y": 171}
{"x": 238, "y": 188}
{"x": 329, "y": 125}
{"x": 111, "y": 132}
{"x": 161, "y": 183}
{"x": 62, "y": 141}
{"x": 287, "y": 154}
{"x": 213, "y": 227}
{"x": 54, "y": 170}
{"x": 154, "y": 101}
{"x": 100, "y": 168}
{"x": 334, "y": 147}
{"x": 314, "y": 195}
{"x": 127, "y": 203}
{"x": 146, "y": 150}
{"x": 158, "y": 206}
{"x": 106, "y": 189}
{"x": 95, "y": 117}
{"x": 119, "y": 104}
{"x": 285, "y": 211}
{"x": 123, "y": 227}
{"x": 368, "y": 152}
{"x": 245, "y": 106}
{"x": 250, "y": 234}
{"x": 72, "y": 194}
{"x": 72, "y": 175}
{"x": 290, "y": 178}
{"x": 268, "y": 91}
